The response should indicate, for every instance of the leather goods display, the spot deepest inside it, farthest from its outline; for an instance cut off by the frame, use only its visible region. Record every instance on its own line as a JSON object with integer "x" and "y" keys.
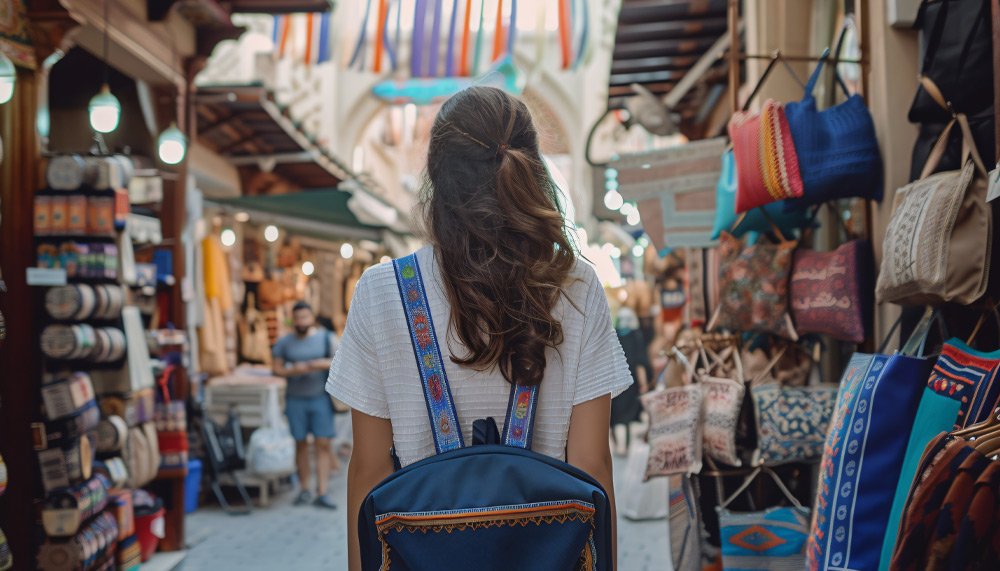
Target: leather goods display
{"x": 722, "y": 402}
{"x": 556, "y": 515}
{"x": 766, "y": 163}
{"x": 674, "y": 436}
{"x": 831, "y": 293}
{"x": 837, "y": 151}
{"x": 753, "y": 287}
{"x": 760, "y": 220}
{"x": 863, "y": 455}
{"x": 773, "y": 539}
{"x": 938, "y": 242}
{"x": 792, "y": 422}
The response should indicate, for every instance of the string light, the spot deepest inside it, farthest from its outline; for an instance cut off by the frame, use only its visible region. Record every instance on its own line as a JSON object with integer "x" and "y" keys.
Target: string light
{"x": 347, "y": 251}
{"x": 104, "y": 108}
{"x": 271, "y": 233}
{"x": 228, "y": 237}
{"x": 308, "y": 268}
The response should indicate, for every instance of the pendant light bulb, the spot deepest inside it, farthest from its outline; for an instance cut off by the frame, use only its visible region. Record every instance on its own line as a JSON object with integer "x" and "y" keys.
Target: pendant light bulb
{"x": 8, "y": 76}
{"x": 105, "y": 110}
{"x": 172, "y": 145}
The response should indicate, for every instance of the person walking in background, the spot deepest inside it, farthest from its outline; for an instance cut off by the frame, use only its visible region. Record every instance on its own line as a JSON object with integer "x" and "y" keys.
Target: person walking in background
{"x": 303, "y": 357}
{"x": 626, "y": 408}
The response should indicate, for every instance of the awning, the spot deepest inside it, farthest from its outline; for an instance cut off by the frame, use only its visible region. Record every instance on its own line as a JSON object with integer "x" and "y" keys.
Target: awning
{"x": 243, "y": 124}
{"x": 318, "y": 213}
{"x": 658, "y": 41}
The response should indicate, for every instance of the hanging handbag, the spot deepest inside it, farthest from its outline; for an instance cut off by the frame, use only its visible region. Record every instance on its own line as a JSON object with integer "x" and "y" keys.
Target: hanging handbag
{"x": 753, "y": 287}
{"x": 792, "y": 422}
{"x": 773, "y": 539}
{"x": 766, "y": 162}
{"x": 255, "y": 345}
{"x": 760, "y": 220}
{"x": 170, "y": 417}
{"x": 686, "y": 527}
{"x": 837, "y": 151}
{"x": 639, "y": 499}
{"x": 863, "y": 455}
{"x": 831, "y": 292}
{"x": 938, "y": 243}
{"x": 957, "y": 43}
{"x": 674, "y": 435}
{"x": 722, "y": 398}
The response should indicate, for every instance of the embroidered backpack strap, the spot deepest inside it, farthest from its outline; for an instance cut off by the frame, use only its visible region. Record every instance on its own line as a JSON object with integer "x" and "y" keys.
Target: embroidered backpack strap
{"x": 437, "y": 394}
{"x": 520, "y": 423}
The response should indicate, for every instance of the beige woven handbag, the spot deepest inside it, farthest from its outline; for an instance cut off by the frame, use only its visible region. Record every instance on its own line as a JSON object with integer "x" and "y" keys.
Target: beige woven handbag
{"x": 937, "y": 245}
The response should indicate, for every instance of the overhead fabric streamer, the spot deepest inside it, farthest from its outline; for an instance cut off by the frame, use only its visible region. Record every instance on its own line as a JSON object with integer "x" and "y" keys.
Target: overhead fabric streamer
{"x": 581, "y": 46}
{"x": 463, "y": 64}
{"x": 477, "y": 56}
{"x": 417, "y": 43}
{"x": 323, "y": 51}
{"x": 449, "y": 64}
{"x": 383, "y": 15}
{"x": 309, "y": 39}
{"x": 512, "y": 28}
{"x": 286, "y": 31}
{"x": 360, "y": 45}
{"x": 564, "y": 32}
{"x": 498, "y": 33}
{"x": 392, "y": 47}
{"x": 435, "y": 47}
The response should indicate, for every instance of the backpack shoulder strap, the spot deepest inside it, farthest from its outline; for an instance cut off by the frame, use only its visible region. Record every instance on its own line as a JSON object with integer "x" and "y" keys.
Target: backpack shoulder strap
{"x": 437, "y": 394}
{"x": 520, "y": 422}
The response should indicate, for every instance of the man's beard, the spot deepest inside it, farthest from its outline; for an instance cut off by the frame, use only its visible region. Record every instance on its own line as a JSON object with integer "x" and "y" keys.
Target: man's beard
{"x": 301, "y": 330}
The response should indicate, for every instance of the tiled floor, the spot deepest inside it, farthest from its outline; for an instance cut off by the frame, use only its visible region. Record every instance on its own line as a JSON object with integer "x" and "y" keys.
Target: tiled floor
{"x": 283, "y": 536}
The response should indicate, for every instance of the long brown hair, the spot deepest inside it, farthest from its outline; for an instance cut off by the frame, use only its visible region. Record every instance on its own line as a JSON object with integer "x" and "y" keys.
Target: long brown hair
{"x": 493, "y": 216}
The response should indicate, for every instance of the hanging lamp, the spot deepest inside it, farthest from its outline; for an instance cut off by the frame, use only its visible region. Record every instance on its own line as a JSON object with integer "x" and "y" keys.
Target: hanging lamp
{"x": 8, "y": 76}
{"x": 104, "y": 108}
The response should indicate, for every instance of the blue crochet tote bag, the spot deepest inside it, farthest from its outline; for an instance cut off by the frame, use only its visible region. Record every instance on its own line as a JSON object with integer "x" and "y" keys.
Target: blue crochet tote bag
{"x": 837, "y": 149}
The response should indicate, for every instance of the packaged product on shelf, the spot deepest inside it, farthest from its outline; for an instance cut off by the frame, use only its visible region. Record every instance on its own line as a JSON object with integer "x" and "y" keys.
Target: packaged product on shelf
{"x": 74, "y": 426}
{"x": 67, "y": 396}
{"x": 124, "y": 511}
{"x": 63, "y": 466}
{"x": 43, "y": 215}
{"x": 86, "y": 550}
{"x": 64, "y": 511}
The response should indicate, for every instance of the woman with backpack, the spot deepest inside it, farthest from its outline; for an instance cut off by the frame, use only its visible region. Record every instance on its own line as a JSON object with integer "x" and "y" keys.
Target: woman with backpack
{"x": 497, "y": 325}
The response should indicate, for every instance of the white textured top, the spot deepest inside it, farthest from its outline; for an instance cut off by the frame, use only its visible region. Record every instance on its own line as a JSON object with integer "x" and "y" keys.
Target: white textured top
{"x": 374, "y": 370}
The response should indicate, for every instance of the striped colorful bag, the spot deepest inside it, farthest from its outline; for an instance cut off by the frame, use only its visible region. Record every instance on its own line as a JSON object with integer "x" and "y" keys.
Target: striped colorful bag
{"x": 767, "y": 166}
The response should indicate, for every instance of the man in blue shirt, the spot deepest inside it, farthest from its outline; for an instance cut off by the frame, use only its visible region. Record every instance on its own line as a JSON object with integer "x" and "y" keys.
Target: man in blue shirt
{"x": 303, "y": 357}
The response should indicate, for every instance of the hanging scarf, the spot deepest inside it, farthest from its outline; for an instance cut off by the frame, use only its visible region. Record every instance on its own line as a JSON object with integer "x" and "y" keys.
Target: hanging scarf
{"x": 449, "y": 64}
{"x": 383, "y": 15}
{"x": 435, "y": 47}
{"x": 477, "y": 56}
{"x": 463, "y": 64}
{"x": 564, "y": 31}
{"x": 581, "y": 46}
{"x": 498, "y": 33}
{"x": 417, "y": 43}
{"x": 360, "y": 45}
{"x": 391, "y": 49}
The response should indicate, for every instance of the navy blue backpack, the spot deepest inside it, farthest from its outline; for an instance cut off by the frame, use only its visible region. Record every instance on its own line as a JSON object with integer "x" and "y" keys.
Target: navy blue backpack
{"x": 492, "y": 505}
